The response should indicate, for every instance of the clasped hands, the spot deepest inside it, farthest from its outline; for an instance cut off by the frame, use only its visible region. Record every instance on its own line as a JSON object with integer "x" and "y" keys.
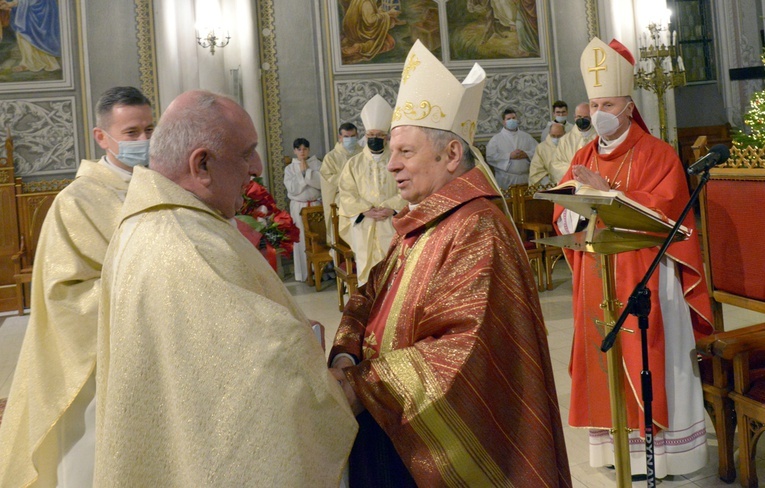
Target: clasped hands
{"x": 337, "y": 371}
{"x": 378, "y": 213}
{"x": 518, "y": 154}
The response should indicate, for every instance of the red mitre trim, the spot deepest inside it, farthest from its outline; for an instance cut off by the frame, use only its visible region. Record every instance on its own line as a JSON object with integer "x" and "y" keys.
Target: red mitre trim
{"x": 626, "y": 54}
{"x": 622, "y": 49}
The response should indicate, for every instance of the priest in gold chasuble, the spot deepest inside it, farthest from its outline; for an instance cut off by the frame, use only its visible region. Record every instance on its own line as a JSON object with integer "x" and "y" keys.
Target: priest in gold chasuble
{"x": 443, "y": 353}
{"x": 47, "y": 434}
{"x": 208, "y": 372}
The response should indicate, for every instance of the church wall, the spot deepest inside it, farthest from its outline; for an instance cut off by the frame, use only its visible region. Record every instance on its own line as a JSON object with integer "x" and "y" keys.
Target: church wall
{"x": 299, "y": 75}
{"x": 570, "y": 36}
{"x": 51, "y": 114}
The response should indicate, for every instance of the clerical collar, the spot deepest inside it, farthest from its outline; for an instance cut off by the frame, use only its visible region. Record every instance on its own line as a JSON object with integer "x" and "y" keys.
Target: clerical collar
{"x": 607, "y": 147}
{"x": 377, "y": 157}
{"x": 124, "y": 174}
{"x": 412, "y": 206}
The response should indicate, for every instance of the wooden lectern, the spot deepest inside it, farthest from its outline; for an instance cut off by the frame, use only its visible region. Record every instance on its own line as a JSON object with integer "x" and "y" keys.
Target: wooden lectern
{"x": 626, "y": 227}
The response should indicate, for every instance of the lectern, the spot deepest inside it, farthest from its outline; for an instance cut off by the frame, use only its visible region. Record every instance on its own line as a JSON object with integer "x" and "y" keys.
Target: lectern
{"x": 616, "y": 224}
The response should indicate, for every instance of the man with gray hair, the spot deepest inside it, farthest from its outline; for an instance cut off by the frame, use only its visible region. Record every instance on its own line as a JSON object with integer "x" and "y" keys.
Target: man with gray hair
{"x": 443, "y": 354}
{"x": 48, "y": 430}
{"x": 208, "y": 371}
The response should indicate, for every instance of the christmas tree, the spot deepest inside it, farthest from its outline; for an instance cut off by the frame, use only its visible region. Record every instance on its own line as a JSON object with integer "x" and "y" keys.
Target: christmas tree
{"x": 754, "y": 120}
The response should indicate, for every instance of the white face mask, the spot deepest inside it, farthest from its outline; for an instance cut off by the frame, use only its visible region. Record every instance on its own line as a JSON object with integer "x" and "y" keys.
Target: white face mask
{"x": 554, "y": 140}
{"x": 131, "y": 153}
{"x": 561, "y": 119}
{"x": 350, "y": 143}
{"x": 606, "y": 123}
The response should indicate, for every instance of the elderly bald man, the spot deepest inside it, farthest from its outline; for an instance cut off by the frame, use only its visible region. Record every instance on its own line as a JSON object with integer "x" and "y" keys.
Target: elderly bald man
{"x": 208, "y": 372}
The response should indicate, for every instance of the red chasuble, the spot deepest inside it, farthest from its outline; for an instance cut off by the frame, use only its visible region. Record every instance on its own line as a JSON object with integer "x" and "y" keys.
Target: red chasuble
{"x": 455, "y": 365}
{"x": 647, "y": 170}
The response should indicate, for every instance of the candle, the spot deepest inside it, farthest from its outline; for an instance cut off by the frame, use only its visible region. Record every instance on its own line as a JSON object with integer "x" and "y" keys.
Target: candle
{"x": 680, "y": 65}
{"x": 674, "y": 38}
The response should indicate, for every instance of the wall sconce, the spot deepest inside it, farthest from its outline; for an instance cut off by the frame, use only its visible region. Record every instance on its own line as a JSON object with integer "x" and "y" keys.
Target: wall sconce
{"x": 214, "y": 37}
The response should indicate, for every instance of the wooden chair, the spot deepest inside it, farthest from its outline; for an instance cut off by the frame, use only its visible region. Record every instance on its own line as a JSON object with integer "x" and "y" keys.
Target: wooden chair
{"x": 9, "y": 228}
{"x": 33, "y": 200}
{"x": 534, "y": 251}
{"x": 316, "y": 247}
{"x": 345, "y": 264}
{"x": 535, "y": 216}
{"x": 735, "y": 362}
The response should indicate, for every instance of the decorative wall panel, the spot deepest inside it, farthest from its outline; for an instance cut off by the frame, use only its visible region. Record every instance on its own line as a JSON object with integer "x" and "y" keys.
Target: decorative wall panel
{"x": 43, "y": 132}
{"x": 526, "y": 92}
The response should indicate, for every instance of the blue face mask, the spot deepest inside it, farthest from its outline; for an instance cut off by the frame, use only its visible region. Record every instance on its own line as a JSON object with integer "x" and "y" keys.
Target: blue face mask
{"x": 511, "y": 124}
{"x": 350, "y": 143}
{"x": 132, "y": 153}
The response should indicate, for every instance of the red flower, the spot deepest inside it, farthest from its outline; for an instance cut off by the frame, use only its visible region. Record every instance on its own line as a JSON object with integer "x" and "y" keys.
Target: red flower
{"x": 283, "y": 220}
{"x": 260, "y": 212}
{"x": 258, "y": 193}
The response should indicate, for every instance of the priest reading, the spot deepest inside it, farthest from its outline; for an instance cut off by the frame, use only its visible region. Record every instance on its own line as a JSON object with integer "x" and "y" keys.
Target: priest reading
{"x": 627, "y": 158}
{"x": 443, "y": 352}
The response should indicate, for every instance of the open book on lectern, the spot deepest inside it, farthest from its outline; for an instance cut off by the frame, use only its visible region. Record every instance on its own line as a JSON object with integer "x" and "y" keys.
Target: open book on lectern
{"x": 616, "y": 210}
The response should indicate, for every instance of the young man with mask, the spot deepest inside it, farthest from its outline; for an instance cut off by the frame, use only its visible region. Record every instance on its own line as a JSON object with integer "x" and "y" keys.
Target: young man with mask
{"x": 368, "y": 196}
{"x": 560, "y": 116}
{"x": 627, "y": 158}
{"x": 576, "y": 139}
{"x": 542, "y": 171}
{"x": 47, "y": 432}
{"x": 332, "y": 165}
{"x": 510, "y": 151}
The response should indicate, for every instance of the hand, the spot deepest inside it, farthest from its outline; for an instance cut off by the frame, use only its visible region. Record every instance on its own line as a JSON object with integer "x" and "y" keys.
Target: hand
{"x": 356, "y": 406}
{"x": 589, "y": 177}
{"x": 303, "y": 165}
{"x": 384, "y": 213}
{"x": 518, "y": 154}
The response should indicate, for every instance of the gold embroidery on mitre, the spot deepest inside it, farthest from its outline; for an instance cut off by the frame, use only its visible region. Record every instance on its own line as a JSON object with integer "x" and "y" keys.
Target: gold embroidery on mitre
{"x": 468, "y": 129}
{"x": 426, "y": 110}
{"x": 411, "y": 65}
{"x": 599, "y": 65}
{"x": 396, "y": 114}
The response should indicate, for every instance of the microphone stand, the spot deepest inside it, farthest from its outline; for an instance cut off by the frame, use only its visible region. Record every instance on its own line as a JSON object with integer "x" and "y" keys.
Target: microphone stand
{"x": 639, "y": 305}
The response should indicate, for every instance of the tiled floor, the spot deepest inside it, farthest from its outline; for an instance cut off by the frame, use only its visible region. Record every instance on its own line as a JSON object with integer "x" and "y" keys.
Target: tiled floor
{"x": 556, "y": 306}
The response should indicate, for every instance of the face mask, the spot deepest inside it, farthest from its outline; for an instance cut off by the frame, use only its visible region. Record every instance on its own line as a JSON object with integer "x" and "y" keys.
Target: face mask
{"x": 511, "y": 124}
{"x": 561, "y": 119}
{"x": 350, "y": 143}
{"x": 583, "y": 124}
{"x": 555, "y": 140}
{"x": 605, "y": 123}
{"x": 131, "y": 153}
{"x": 376, "y": 144}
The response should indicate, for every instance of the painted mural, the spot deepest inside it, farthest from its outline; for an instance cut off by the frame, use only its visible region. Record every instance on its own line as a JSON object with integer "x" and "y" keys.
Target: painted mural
{"x": 383, "y": 31}
{"x": 493, "y": 29}
{"x": 30, "y": 41}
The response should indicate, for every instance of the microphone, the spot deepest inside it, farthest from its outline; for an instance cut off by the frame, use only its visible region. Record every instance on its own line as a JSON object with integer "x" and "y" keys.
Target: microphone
{"x": 717, "y": 155}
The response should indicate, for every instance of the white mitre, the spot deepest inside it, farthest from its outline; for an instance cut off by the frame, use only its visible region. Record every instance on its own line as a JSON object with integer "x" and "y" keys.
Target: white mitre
{"x": 430, "y": 96}
{"x": 607, "y": 72}
{"x": 376, "y": 114}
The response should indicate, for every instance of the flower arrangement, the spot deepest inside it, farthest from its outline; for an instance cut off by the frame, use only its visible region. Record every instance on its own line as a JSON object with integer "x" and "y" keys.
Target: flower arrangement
{"x": 274, "y": 228}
